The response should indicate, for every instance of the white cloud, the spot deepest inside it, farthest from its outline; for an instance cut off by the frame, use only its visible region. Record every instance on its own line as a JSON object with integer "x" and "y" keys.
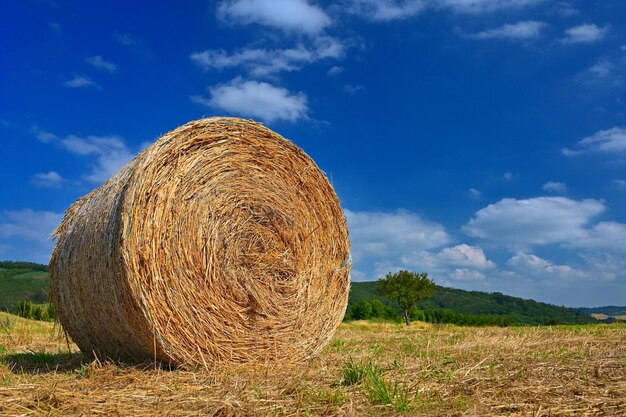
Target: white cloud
{"x": 529, "y": 264}
{"x": 508, "y": 176}
{"x": 80, "y": 81}
{"x": 586, "y": 33}
{"x": 606, "y": 72}
{"x": 45, "y": 137}
{"x": 605, "y": 141}
{"x": 605, "y": 236}
{"x": 24, "y": 234}
{"x": 601, "y": 69}
{"x": 555, "y": 187}
{"x": 462, "y": 255}
{"x": 256, "y": 99}
{"x": 474, "y": 193}
{"x": 385, "y": 10}
{"x": 287, "y": 15}
{"x": 111, "y": 152}
{"x": 264, "y": 62}
{"x": 536, "y": 221}
{"x": 388, "y": 10}
{"x": 466, "y": 275}
{"x": 465, "y": 255}
{"x": 619, "y": 183}
{"x": 391, "y": 234}
{"x": 335, "y": 70}
{"x": 606, "y": 267}
{"x": 50, "y": 179}
{"x": 514, "y": 31}
{"x": 484, "y": 6}
{"x": 565, "y": 9}
{"x": 101, "y": 63}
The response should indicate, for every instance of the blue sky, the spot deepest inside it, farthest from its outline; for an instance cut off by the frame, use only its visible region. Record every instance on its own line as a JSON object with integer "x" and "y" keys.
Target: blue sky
{"x": 481, "y": 141}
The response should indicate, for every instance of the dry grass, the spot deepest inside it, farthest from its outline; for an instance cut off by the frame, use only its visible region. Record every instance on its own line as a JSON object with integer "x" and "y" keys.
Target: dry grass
{"x": 223, "y": 241}
{"x": 368, "y": 369}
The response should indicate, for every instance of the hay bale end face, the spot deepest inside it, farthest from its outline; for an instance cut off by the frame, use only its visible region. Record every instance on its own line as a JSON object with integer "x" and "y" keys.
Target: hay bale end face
{"x": 222, "y": 241}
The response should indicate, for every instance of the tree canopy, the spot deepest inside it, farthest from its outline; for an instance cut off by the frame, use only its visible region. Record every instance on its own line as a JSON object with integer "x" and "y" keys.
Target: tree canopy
{"x": 407, "y": 288}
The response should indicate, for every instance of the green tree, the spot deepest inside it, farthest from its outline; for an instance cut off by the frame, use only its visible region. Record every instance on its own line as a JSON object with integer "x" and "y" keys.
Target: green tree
{"x": 407, "y": 288}
{"x": 361, "y": 310}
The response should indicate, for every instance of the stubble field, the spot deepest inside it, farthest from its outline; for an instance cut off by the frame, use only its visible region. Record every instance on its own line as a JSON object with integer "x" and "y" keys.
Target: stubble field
{"x": 368, "y": 369}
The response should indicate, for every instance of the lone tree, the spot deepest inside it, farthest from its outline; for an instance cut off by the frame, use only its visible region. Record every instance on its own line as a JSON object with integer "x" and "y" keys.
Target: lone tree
{"x": 407, "y": 288}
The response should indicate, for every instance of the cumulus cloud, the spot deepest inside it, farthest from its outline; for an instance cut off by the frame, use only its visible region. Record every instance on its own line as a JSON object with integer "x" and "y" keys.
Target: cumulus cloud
{"x": 385, "y": 10}
{"x": 466, "y": 275}
{"x": 288, "y": 15}
{"x": 265, "y": 62}
{"x": 513, "y": 31}
{"x": 391, "y": 234}
{"x": 465, "y": 255}
{"x": 111, "y": 152}
{"x": 24, "y": 234}
{"x": 586, "y": 33}
{"x": 555, "y": 187}
{"x": 101, "y": 63}
{"x": 526, "y": 263}
{"x": 80, "y": 81}
{"x": 605, "y": 236}
{"x": 50, "y": 179}
{"x": 605, "y": 141}
{"x": 462, "y": 255}
{"x": 256, "y": 99}
{"x": 536, "y": 221}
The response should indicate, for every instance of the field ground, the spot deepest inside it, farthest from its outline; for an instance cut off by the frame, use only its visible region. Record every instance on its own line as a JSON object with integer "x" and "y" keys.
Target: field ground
{"x": 368, "y": 369}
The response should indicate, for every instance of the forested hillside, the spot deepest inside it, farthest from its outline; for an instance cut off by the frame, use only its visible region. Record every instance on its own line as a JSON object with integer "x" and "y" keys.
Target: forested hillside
{"x": 29, "y": 281}
{"x": 476, "y": 303}
{"x": 22, "y": 281}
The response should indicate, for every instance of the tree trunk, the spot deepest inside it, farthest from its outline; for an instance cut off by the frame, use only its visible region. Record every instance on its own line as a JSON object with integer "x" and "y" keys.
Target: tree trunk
{"x": 406, "y": 318}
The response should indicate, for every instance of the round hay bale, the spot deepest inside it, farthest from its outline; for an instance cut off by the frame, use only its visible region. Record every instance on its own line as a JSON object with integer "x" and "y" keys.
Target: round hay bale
{"x": 223, "y": 241}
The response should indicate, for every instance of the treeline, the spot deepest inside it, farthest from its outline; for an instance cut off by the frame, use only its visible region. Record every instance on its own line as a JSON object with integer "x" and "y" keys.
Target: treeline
{"x": 475, "y": 304}
{"x": 27, "y": 310}
{"x": 23, "y": 265}
{"x": 375, "y": 309}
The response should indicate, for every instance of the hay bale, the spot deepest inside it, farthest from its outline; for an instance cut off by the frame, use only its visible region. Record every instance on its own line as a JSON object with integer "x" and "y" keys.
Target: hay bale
{"x": 223, "y": 241}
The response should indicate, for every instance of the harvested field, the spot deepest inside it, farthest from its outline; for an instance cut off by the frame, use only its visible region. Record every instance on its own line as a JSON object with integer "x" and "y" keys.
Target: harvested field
{"x": 368, "y": 368}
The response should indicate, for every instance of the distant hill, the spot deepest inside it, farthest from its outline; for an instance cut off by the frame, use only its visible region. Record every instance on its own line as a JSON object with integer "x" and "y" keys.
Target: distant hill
{"x": 22, "y": 281}
{"x": 518, "y": 310}
{"x": 610, "y": 313}
{"x": 25, "y": 280}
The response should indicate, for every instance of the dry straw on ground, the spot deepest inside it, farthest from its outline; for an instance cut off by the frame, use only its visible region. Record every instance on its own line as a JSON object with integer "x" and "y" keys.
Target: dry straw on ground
{"x": 223, "y": 241}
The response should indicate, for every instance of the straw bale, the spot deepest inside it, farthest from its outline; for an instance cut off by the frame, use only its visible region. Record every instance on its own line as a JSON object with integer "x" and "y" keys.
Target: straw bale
{"x": 223, "y": 241}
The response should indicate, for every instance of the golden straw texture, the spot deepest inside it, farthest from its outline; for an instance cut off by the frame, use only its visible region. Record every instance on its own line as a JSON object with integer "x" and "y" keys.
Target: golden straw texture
{"x": 223, "y": 241}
